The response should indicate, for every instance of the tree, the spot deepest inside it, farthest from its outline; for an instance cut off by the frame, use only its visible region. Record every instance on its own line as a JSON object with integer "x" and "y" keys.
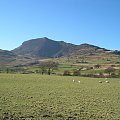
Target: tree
{"x": 76, "y": 73}
{"x": 97, "y": 66}
{"x": 66, "y": 73}
{"x": 110, "y": 70}
{"x": 48, "y": 66}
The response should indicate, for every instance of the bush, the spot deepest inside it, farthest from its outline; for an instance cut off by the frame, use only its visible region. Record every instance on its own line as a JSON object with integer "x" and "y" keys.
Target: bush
{"x": 89, "y": 68}
{"x": 66, "y": 73}
{"x": 97, "y": 66}
{"x": 76, "y": 73}
{"x": 114, "y": 75}
{"x": 110, "y": 70}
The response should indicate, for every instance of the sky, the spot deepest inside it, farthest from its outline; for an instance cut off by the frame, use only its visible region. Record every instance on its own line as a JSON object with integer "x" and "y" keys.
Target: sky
{"x": 95, "y": 22}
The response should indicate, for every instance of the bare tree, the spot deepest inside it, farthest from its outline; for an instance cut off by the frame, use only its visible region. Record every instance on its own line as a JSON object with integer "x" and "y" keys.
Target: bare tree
{"x": 48, "y": 66}
{"x": 110, "y": 70}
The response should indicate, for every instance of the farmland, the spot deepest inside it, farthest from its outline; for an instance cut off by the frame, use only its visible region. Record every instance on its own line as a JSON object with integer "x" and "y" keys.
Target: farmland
{"x": 44, "y": 97}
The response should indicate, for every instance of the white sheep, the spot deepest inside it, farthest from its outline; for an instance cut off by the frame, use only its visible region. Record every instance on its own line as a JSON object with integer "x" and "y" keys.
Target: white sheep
{"x": 100, "y": 81}
{"x": 78, "y": 81}
{"x": 107, "y": 81}
{"x": 73, "y": 80}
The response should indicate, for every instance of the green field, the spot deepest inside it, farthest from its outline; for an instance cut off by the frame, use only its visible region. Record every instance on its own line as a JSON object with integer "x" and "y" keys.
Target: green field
{"x": 37, "y": 97}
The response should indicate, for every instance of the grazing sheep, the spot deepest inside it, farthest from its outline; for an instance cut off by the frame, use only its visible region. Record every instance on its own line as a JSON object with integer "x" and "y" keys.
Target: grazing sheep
{"x": 78, "y": 81}
{"x": 73, "y": 80}
{"x": 100, "y": 81}
{"x": 107, "y": 81}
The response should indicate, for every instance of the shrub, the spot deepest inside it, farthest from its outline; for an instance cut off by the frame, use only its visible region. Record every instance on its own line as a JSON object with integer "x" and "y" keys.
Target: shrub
{"x": 113, "y": 65}
{"x": 114, "y": 75}
{"x": 110, "y": 70}
{"x": 97, "y": 66}
{"x": 66, "y": 73}
{"x": 89, "y": 68}
{"x": 76, "y": 73}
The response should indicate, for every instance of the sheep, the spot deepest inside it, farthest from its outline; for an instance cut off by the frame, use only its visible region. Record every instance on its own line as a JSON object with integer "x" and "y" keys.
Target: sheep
{"x": 107, "y": 81}
{"x": 78, "y": 81}
{"x": 100, "y": 81}
{"x": 73, "y": 80}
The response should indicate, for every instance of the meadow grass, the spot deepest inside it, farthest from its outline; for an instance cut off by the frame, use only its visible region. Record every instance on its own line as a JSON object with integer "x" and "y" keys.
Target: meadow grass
{"x": 44, "y": 97}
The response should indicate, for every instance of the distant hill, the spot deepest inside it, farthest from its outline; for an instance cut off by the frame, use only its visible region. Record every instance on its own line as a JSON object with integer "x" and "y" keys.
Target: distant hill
{"x": 87, "y": 49}
{"x": 116, "y": 52}
{"x": 35, "y": 49}
{"x": 47, "y": 48}
{"x": 6, "y": 57}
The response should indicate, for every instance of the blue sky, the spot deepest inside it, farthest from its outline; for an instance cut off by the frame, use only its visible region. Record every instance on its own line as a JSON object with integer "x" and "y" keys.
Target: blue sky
{"x": 95, "y": 22}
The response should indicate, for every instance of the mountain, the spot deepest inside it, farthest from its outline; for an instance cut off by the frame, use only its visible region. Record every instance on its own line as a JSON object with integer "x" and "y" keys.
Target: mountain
{"x": 6, "y": 57}
{"x": 116, "y": 52}
{"x": 47, "y": 48}
{"x": 87, "y": 49}
{"x": 34, "y": 50}
{"x": 44, "y": 47}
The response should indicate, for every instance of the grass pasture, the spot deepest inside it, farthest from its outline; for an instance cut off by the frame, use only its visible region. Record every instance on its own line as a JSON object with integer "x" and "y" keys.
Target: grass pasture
{"x": 37, "y": 97}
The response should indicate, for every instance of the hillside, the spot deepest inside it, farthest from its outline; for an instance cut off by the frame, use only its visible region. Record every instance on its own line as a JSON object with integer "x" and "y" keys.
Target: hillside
{"x": 6, "y": 57}
{"x": 47, "y": 48}
{"x": 41, "y": 48}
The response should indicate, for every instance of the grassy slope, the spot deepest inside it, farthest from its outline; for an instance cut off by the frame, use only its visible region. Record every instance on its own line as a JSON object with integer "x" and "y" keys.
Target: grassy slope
{"x": 37, "y": 97}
